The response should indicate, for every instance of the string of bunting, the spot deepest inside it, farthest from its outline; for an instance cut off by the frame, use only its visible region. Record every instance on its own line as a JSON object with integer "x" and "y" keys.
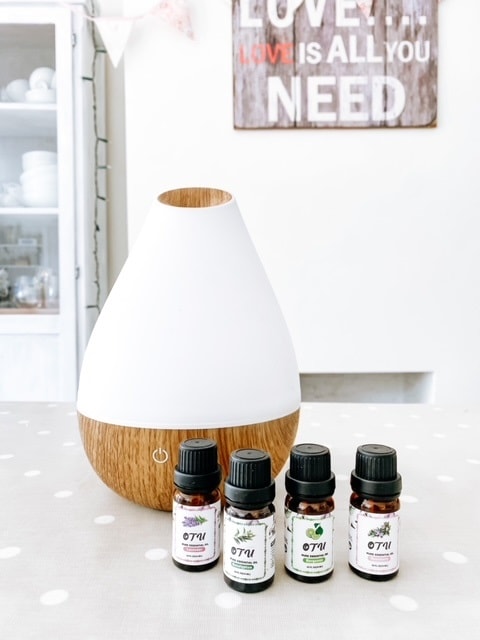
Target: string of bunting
{"x": 115, "y": 30}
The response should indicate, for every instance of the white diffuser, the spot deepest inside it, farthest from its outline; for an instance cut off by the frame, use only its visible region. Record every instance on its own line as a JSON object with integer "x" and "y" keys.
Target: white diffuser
{"x": 190, "y": 343}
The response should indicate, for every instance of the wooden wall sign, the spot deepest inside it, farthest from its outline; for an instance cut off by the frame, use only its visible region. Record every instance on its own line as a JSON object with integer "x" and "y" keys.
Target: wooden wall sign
{"x": 334, "y": 63}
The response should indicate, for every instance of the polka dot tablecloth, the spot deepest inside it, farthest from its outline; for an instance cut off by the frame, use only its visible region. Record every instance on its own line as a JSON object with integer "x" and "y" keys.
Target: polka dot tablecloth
{"x": 78, "y": 562}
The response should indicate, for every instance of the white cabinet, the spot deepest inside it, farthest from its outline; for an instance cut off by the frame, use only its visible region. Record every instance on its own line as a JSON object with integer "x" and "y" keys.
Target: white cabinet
{"x": 52, "y": 209}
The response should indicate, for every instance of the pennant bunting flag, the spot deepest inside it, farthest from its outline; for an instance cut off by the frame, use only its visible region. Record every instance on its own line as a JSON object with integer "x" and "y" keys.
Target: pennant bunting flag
{"x": 176, "y": 14}
{"x": 115, "y": 30}
{"x": 115, "y": 33}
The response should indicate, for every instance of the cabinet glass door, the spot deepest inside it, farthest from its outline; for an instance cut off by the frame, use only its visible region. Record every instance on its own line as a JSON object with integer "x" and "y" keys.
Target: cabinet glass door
{"x": 29, "y": 214}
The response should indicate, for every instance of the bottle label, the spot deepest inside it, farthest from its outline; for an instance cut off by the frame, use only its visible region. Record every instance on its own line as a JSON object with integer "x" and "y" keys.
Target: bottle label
{"x": 248, "y": 549}
{"x": 309, "y": 544}
{"x": 196, "y": 533}
{"x": 373, "y": 541}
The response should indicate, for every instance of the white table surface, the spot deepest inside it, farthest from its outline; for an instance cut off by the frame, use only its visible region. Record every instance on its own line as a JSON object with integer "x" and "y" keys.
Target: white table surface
{"x": 79, "y": 562}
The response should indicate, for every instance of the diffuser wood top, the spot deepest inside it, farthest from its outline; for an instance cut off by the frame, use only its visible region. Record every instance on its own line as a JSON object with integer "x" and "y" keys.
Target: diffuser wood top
{"x": 195, "y": 197}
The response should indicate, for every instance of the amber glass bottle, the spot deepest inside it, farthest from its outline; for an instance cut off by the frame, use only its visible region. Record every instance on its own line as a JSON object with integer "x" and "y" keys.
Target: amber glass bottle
{"x": 374, "y": 513}
{"x": 196, "y": 507}
{"x": 309, "y": 505}
{"x": 249, "y": 522}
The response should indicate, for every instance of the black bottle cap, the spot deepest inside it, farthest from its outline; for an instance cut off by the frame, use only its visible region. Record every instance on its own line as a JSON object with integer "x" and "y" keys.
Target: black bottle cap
{"x": 250, "y": 482}
{"x": 375, "y": 474}
{"x": 197, "y": 468}
{"x": 310, "y": 475}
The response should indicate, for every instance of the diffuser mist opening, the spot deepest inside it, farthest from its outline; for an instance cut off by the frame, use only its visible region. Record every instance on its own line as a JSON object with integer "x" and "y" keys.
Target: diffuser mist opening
{"x": 195, "y": 197}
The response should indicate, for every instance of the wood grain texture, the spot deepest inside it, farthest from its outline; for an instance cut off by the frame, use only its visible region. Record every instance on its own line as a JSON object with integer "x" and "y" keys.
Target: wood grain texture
{"x": 123, "y": 456}
{"x": 195, "y": 197}
{"x": 398, "y": 42}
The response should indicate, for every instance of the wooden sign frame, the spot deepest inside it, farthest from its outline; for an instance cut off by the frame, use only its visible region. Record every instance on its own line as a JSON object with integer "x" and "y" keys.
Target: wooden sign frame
{"x": 334, "y": 63}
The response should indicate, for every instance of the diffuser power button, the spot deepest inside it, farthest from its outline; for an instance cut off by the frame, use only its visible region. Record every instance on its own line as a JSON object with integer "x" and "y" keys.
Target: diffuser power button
{"x": 160, "y": 456}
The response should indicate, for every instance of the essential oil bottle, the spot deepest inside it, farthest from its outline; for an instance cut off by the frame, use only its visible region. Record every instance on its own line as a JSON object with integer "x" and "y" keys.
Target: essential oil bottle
{"x": 309, "y": 505}
{"x": 374, "y": 513}
{"x": 196, "y": 510}
{"x": 249, "y": 522}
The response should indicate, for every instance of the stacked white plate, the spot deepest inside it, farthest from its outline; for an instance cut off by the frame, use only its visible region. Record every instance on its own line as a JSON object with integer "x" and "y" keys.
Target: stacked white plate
{"x": 39, "y": 179}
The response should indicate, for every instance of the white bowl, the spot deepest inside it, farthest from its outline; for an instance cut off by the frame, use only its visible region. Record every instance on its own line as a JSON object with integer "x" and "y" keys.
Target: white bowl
{"x": 38, "y": 174}
{"x": 31, "y": 189}
{"x": 40, "y": 186}
{"x": 41, "y": 78}
{"x": 38, "y": 158}
{"x": 40, "y": 192}
{"x": 41, "y": 96}
{"x": 17, "y": 89}
{"x": 40, "y": 198}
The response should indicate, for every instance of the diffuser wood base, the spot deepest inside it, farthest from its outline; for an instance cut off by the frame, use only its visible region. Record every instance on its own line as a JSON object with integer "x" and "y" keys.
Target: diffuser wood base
{"x": 138, "y": 463}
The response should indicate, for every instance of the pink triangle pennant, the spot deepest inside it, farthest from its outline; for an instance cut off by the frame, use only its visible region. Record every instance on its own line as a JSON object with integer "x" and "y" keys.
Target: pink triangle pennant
{"x": 176, "y": 13}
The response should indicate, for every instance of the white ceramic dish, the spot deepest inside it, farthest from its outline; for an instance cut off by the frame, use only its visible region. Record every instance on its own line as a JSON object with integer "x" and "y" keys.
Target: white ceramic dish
{"x": 37, "y": 158}
{"x": 41, "y": 78}
{"x": 47, "y": 185}
{"x": 40, "y": 198}
{"x": 43, "y": 190}
{"x": 39, "y": 174}
{"x": 16, "y": 90}
{"x": 41, "y": 96}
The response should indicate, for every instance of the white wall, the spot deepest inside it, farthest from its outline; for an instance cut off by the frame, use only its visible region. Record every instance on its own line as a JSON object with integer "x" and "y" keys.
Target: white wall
{"x": 370, "y": 237}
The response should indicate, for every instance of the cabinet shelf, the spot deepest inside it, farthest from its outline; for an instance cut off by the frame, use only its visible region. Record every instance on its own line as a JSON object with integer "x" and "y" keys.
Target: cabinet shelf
{"x": 30, "y": 311}
{"x": 20, "y": 266}
{"x": 19, "y": 246}
{"x": 23, "y": 120}
{"x": 28, "y": 211}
